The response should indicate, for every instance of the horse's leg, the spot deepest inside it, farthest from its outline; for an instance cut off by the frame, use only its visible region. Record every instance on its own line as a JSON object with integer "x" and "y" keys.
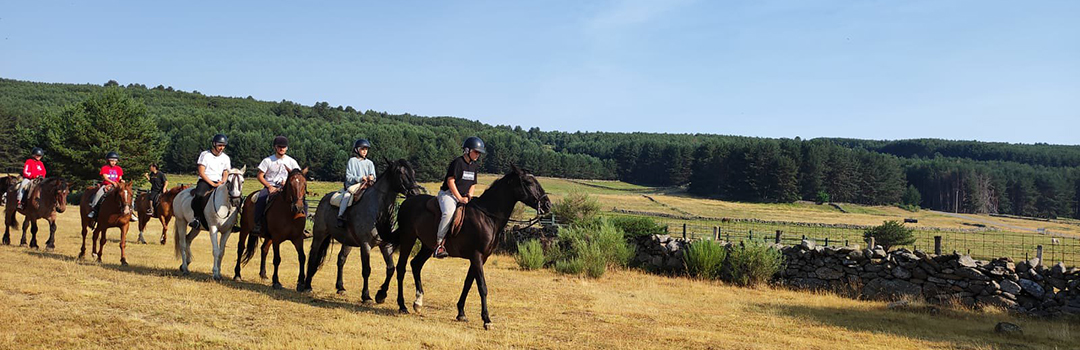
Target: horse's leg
{"x": 239, "y": 255}
{"x": 299, "y": 244}
{"x": 262, "y": 258}
{"x": 94, "y": 243}
{"x": 465, "y": 295}
{"x": 142, "y": 227}
{"x": 388, "y": 257}
{"x": 319, "y": 245}
{"x": 101, "y": 243}
{"x": 417, "y": 265}
{"x": 215, "y": 249}
{"x": 342, "y": 257}
{"x": 403, "y": 261}
{"x": 25, "y": 226}
{"x": 188, "y": 238}
{"x": 164, "y": 227}
{"x": 221, "y": 251}
{"x": 51, "y": 243}
{"x": 477, "y": 264}
{"x": 277, "y": 261}
{"x": 123, "y": 245}
{"x": 365, "y": 270}
{"x": 9, "y": 218}
{"x": 33, "y": 235}
{"x": 82, "y": 252}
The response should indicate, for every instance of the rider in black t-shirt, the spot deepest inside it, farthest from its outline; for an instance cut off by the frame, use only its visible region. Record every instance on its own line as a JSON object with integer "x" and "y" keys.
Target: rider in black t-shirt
{"x": 457, "y": 187}
{"x": 158, "y": 184}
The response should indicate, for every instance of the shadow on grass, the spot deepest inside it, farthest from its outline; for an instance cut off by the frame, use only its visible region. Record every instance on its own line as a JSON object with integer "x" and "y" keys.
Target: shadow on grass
{"x": 946, "y": 327}
{"x": 284, "y": 295}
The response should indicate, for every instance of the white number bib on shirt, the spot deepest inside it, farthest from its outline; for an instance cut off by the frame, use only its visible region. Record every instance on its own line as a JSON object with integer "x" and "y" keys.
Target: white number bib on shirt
{"x": 468, "y": 176}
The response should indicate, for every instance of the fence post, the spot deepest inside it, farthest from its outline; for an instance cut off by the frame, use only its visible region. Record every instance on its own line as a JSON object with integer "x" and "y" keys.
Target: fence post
{"x": 1038, "y": 254}
{"x": 778, "y": 233}
{"x": 937, "y": 245}
{"x": 716, "y": 233}
{"x": 826, "y": 241}
{"x": 870, "y": 242}
{"x": 846, "y": 243}
{"x": 684, "y": 230}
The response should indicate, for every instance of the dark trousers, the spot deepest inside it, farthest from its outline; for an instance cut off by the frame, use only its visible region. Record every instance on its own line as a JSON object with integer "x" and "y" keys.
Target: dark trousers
{"x": 198, "y": 200}
{"x": 260, "y": 207}
{"x": 154, "y": 197}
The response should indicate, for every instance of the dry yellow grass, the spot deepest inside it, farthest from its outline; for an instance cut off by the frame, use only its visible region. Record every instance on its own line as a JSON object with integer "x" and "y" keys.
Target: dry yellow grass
{"x": 51, "y": 301}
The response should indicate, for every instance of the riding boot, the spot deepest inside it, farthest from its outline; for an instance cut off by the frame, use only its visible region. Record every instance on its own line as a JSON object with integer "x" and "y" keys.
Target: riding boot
{"x": 440, "y": 250}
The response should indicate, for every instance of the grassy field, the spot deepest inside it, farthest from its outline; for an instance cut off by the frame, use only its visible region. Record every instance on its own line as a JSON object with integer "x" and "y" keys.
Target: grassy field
{"x": 52, "y": 301}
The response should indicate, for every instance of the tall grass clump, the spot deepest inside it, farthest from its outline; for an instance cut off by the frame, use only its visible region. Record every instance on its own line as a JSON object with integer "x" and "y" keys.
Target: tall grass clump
{"x": 576, "y": 209}
{"x": 594, "y": 247}
{"x": 752, "y": 264}
{"x": 705, "y": 259}
{"x": 634, "y": 226}
{"x": 530, "y": 255}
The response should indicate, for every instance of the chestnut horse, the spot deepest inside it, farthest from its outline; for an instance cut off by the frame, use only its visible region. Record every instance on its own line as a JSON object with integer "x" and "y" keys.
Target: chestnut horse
{"x": 485, "y": 218}
{"x": 113, "y": 211}
{"x": 163, "y": 211}
{"x": 43, "y": 202}
{"x": 286, "y": 217}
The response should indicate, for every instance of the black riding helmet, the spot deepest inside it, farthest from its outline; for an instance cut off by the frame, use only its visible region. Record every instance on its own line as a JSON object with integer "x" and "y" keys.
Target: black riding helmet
{"x": 219, "y": 138}
{"x": 37, "y": 151}
{"x": 112, "y": 155}
{"x": 474, "y": 144}
{"x": 281, "y": 141}
{"x": 361, "y": 143}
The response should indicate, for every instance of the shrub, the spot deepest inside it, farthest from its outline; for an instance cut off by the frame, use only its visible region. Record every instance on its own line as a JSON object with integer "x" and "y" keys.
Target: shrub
{"x": 576, "y": 209}
{"x": 634, "y": 226}
{"x": 753, "y": 263}
{"x": 572, "y": 266}
{"x": 530, "y": 255}
{"x": 911, "y": 197}
{"x": 890, "y": 234}
{"x": 822, "y": 197}
{"x": 595, "y": 247}
{"x": 704, "y": 259}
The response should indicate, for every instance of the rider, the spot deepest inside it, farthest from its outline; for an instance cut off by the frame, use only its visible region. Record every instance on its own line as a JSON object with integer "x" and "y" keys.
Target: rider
{"x": 111, "y": 175}
{"x": 273, "y": 171}
{"x": 359, "y": 175}
{"x": 213, "y": 170}
{"x": 33, "y": 169}
{"x": 458, "y": 185}
{"x": 158, "y": 184}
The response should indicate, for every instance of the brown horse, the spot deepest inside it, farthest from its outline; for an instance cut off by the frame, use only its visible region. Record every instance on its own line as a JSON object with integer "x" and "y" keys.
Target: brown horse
{"x": 285, "y": 216}
{"x": 43, "y": 202}
{"x": 485, "y": 218}
{"x": 6, "y": 183}
{"x": 163, "y": 211}
{"x": 114, "y": 211}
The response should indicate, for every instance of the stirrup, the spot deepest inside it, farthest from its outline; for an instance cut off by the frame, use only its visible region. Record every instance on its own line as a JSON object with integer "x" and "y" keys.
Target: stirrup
{"x": 440, "y": 251}
{"x": 194, "y": 223}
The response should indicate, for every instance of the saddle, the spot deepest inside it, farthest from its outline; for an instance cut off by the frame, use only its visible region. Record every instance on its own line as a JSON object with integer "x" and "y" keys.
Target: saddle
{"x": 358, "y": 191}
{"x": 457, "y": 220}
{"x": 28, "y": 191}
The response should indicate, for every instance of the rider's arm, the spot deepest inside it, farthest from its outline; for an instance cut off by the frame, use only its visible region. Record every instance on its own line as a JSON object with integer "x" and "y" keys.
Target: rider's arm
{"x": 471, "y": 188}
{"x": 262, "y": 179}
{"x": 202, "y": 175}
{"x": 453, "y": 189}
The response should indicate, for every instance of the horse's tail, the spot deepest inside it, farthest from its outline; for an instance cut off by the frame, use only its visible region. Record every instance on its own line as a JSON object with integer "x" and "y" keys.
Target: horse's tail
{"x": 10, "y": 219}
{"x": 249, "y": 250}
{"x": 318, "y": 254}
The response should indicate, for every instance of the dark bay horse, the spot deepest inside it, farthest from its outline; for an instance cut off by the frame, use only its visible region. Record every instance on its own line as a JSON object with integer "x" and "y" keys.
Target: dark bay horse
{"x": 114, "y": 211}
{"x": 285, "y": 220}
{"x": 163, "y": 212}
{"x": 366, "y": 220}
{"x": 485, "y": 218}
{"x": 6, "y": 183}
{"x": 43, "y": 202}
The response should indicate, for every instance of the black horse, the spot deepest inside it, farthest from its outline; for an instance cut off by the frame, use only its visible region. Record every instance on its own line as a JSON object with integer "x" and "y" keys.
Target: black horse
{"x": 367, "y": 220}
{"x": 485, "y": 218}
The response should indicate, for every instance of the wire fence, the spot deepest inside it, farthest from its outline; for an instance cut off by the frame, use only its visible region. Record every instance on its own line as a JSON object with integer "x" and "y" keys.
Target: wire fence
{"x": 980, "y": 244}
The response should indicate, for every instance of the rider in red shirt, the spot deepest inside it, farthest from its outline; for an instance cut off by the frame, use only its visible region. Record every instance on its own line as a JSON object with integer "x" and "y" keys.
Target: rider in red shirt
{"x": 33, "y": 169}
{"x": 111, "y": 175}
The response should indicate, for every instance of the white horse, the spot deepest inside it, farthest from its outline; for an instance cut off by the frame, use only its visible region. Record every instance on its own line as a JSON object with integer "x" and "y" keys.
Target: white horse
{"x": 221, "y": 212}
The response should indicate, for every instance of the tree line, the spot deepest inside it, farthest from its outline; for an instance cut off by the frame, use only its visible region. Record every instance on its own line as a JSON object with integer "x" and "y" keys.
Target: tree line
{"x": 964, "y": 176}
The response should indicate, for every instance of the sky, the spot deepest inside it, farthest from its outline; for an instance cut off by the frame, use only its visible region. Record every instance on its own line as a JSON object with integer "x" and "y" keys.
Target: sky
{"x": 1005, "y": 71}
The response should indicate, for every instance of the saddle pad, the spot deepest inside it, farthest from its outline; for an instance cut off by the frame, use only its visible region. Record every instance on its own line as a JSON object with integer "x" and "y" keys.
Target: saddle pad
{"x": 335, "y": 199}
{"x": 455, "y": 223}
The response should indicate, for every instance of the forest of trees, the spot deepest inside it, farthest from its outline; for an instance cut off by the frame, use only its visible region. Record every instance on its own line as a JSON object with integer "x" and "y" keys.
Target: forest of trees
{"x": 966, "y": 176}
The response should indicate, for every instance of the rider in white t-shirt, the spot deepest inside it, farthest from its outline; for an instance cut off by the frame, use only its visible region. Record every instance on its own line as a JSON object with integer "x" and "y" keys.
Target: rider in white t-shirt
{"x": 213, "y": 167}
{"x": 273, "y": 171}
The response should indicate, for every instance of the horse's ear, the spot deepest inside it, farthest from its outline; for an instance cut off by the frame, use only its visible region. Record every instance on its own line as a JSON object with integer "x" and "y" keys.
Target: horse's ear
{"x": 243, "y": 170}
{"x": 514, "y": 168}
{"x": 304, "y": 171}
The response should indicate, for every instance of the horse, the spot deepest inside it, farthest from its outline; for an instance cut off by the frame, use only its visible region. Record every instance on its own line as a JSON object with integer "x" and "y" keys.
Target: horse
{"x": 220, "y": 212}
{"x": 482, "y": 228}
{"x": 285, "y": 219}
{"x": 363, "y": 227}
{"x": 163, "y": 211}
{"x": 6, "y": 183}
{"x": 114, "y": 211}
{"x": 43, "y": 202}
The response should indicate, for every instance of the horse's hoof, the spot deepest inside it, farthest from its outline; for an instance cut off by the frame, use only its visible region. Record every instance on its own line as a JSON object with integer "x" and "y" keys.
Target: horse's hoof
{"x": 163, "y": 242}
{"x": 123, "y": 262}
{"x": 237, "y": 278}
{"x": 380, "y": 297}
{"x": 22, "y": 244}
{"x": 487, "y": 326}
{"x": 419, "y": 308}
{"x": 278, "y": 286}
{"x": 341, "y": 291}
{"x": 462, "y": 318}
{"x": 403, "y": 311}
{"x": 217, "y": 278}
{"x": 50, "y": 248}
{"x": 303, "y": 289}
{"x": 142, "y": 242}
{"x": 367, "y": 301}
{"x": 263, "y": 277}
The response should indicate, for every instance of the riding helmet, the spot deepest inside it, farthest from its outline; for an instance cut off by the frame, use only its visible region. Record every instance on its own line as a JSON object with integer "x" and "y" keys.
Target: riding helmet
{"x": 281, "y": 141}
{"x": 361, "y": 143}
{"x": 37, "y": 151}
{"x": 475, "y": 144}
{"x": 219, "y": 138}
{"x": 112, "y": 155}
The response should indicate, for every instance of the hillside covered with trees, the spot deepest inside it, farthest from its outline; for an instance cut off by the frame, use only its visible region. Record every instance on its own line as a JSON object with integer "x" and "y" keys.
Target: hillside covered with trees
{"x": 966, "y": 176}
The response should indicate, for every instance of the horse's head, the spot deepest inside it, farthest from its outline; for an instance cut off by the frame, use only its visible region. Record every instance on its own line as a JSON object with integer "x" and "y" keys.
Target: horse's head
{"x": 235, "y": 185}
{"x": 126, "y": 191}
{"x": 402, "y": 177}
{"x": 529, "y": 191}
{"x": 60, "y": 190}
{"x": 295, "y": 189}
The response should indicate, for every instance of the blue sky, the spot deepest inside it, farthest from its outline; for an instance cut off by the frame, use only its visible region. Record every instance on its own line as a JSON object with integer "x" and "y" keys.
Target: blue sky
{"x": 983, "y": 70}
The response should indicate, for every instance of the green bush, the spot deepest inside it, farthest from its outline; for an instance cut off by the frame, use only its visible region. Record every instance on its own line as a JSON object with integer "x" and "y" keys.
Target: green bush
{"x": 822, "y": 197}
{"x": 634, "y": 226}
{"x": 576, "y": 209}
{"x": 572, "y": 266}
{"x": 705, "y": 259}
{"x": 890, "y": 234}
{"x": 530, "y": 255}
{"x": 911, "y": 197}
{"x": 753, "y": 263}
{"x": 594, "y": 247}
